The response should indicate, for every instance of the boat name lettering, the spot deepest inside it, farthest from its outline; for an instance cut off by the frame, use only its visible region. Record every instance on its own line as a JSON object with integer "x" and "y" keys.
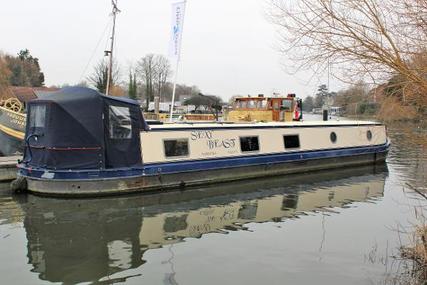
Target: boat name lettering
{"x": 16, "y": 119}
{"x": 199, "y": 229}
{"x": 211, "y": 142}
{"x": 226, "y": 143}
{"x": 197, "y": 135}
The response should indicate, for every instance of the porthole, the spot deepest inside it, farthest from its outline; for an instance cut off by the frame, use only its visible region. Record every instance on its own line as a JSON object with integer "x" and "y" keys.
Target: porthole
{"x": 369, "y": 135}
{"x": 333, "y": 137}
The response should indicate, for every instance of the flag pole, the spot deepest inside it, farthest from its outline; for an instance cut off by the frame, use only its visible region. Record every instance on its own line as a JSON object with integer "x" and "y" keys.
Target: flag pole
{"x": 177, "y": 29}
{"x": 174, "y": 89}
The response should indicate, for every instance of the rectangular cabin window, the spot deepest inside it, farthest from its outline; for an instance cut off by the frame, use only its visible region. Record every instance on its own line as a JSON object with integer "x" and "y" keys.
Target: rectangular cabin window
{"x": 251, "y": 104}
{"x": 291, "y": 141}
{"x": 249, "y": 144}
{"x": 37, "y": 116}
{"x": 120, "y": 123}
{"x": 287, "y": 105}
{"x": 176, "y": 147}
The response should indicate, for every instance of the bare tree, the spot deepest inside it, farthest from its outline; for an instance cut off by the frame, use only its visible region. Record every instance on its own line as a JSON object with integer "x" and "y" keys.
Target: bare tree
{"x": 100, "y": 74}
{"x": 147, "y": 71}
{"x": 362, "y": 38}
{"x": 154, "y": 71}
{"x": 163, "y": 73}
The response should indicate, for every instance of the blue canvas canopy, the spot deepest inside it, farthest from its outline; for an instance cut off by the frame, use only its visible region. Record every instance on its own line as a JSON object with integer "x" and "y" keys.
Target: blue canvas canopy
{"x": 80, "y": 128}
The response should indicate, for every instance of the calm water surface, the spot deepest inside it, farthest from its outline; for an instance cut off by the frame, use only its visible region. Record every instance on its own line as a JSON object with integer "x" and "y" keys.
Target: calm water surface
{"x": 338, "y": 227}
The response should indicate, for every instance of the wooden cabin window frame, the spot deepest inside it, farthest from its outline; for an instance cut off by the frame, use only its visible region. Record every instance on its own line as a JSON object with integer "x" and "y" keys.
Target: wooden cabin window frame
{"x": 286, "y": 105}
{"x": 291, "y": 146}
{"x": 252, "y": 104}
{"x": 165, "y": 152}
{"x": 246, "y": 151}
{"x": 264, "y": 104}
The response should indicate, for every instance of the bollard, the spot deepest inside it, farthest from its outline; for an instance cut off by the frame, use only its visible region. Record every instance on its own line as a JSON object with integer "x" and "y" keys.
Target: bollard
{"x": 325, "y": 115}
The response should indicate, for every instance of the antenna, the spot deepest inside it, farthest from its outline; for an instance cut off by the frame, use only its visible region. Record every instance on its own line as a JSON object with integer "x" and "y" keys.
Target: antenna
{"x": 110, "y": 52}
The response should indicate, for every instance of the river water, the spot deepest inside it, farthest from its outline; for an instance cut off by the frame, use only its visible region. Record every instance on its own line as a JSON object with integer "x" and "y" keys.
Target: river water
{"x": 329, "y": 227}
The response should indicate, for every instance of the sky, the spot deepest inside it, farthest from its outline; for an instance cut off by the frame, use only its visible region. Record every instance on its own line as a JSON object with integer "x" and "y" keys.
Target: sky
{"x": 228, "y": 47}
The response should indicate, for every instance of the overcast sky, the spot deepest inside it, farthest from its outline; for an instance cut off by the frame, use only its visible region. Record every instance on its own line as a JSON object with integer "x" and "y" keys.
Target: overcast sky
{"x": 228, "y": 48}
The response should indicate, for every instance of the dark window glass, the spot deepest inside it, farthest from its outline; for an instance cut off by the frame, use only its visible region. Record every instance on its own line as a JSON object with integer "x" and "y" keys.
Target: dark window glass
{"x": 369, "y": 135}
{"x": 333, "y": 137}
{"x": 120, "y": 123}
{"x": 38, "y": 116}
{"x": 291, "y": 141}
{"x": 178, "y": 147}
{"x": 249, "y": 144}
{"x": 286, "y": 104}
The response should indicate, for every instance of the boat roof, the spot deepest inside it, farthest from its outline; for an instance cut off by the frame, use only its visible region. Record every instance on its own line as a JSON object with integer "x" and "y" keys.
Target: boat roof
{"x": 76, "y": 93}
{"x": 263, "y": 98}
{"x": 258, "y": 125}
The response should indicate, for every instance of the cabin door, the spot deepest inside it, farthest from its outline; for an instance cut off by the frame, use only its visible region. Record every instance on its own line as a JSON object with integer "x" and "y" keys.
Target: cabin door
{"x": 122, "y": 138}
{"x": 276, "y": 102}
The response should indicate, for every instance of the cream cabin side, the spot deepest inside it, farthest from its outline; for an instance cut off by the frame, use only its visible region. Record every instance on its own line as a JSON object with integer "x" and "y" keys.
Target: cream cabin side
{"x": 198, "y": 143}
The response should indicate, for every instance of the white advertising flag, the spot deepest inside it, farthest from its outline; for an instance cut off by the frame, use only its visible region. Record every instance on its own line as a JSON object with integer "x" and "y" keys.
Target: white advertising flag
{"x": 178, "y": 11}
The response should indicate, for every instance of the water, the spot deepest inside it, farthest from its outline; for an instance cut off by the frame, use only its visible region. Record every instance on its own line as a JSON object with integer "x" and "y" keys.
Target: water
{"x": 339, "y": 227}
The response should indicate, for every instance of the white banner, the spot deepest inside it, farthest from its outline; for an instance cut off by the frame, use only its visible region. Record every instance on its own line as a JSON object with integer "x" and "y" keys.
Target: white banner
{"x": 178, "y": 11}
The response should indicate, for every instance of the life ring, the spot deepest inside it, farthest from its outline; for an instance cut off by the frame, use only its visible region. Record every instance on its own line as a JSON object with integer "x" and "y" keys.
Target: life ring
{"x": 14, "y": 105}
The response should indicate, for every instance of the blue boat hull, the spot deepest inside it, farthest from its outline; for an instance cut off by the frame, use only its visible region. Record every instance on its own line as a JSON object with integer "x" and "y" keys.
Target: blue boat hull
{"x": 10, "y": 145}
{"x": 164, "y": 176}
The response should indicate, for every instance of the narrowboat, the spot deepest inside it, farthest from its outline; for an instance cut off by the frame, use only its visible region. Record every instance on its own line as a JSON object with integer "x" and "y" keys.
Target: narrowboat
{"x": 80, "y": 142}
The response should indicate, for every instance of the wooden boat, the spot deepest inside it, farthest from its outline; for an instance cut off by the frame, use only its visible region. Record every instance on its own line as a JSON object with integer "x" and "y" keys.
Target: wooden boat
{"x": 80, "y": 142}
{"x": 266, "y": 109}
{"x": 13, "y": 117}
{"x": 12, "y": 127}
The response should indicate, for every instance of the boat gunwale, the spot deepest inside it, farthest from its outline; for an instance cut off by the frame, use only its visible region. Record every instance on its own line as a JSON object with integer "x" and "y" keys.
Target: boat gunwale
{"x": 258, "y": 125}
{"x": 371, "y": 149}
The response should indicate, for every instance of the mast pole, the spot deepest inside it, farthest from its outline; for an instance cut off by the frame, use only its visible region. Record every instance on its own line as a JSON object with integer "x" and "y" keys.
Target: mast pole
{"x": 110, "y": 64}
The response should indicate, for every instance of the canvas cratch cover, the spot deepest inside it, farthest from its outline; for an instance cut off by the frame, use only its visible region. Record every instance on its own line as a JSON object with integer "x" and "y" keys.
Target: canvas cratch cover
{"x": 79, "y": 128}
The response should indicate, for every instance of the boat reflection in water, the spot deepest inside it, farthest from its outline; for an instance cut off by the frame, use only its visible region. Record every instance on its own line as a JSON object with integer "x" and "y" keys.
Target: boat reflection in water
{"x": 82, "y": 240}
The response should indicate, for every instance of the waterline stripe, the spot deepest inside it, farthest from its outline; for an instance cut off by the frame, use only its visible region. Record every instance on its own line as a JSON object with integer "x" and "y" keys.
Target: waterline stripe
{"x": 205, "y": 165}
{"x": 12, "y": 132}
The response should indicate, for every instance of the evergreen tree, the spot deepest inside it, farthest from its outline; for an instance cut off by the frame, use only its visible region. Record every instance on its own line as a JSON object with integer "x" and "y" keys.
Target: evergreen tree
{"x": 99, "y": 77}
{"x": 135, "y": 88}
{"x": 25, "y": 70}
{"x": 132, "y": 86}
